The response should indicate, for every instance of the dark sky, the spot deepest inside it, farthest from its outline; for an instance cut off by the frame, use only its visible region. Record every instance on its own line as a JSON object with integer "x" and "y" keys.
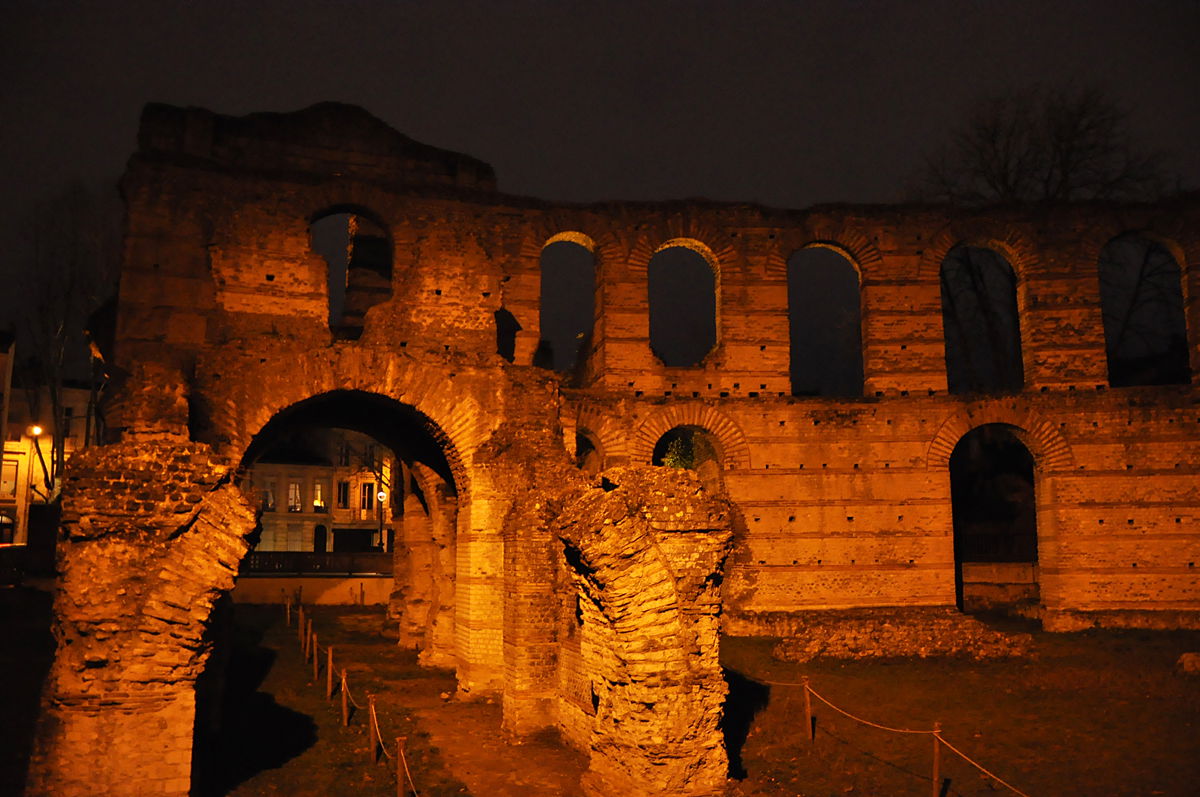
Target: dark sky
{"x": 786, "y": 103}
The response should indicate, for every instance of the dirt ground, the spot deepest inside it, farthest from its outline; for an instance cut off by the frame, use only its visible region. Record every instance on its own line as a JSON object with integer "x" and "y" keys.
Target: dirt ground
{"x": 1097, "y": 713}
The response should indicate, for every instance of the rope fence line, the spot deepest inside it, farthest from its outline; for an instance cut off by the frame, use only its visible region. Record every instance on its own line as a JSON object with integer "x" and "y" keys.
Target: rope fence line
{"x": 936, "y": 733}
{"x": 310, "y": 647}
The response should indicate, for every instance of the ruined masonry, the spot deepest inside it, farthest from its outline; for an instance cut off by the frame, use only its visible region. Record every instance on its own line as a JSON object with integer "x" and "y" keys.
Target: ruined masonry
{"x": 587, "y": 599}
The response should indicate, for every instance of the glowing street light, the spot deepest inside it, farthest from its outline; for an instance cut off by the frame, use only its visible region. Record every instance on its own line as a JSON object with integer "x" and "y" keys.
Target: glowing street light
{"x": 36, "y": 430}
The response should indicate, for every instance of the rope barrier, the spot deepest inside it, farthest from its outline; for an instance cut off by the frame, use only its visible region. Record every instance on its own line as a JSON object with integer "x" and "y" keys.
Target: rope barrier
{"x": 349, "y": 694}
{"x": 975, "y": 764}
{"x": 817, "y": 695}
{"x": 936, "y": 732}
{"x": 404, "y": 761}
{"x": 378, "y": 733}
{"x": 309, "y": 646}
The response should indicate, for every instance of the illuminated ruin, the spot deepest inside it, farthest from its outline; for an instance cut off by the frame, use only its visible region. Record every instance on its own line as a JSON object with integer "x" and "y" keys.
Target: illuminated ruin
{"x": 545, "y": 560}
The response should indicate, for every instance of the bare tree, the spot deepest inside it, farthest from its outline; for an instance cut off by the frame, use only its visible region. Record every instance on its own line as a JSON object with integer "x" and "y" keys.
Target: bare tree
{"x": 73, "y": 250}
{"x": 1041, "y": 144}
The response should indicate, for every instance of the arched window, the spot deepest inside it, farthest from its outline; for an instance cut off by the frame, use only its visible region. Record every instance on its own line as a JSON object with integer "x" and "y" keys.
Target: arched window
{"x": 1145, "y": 332}
{"x": 568, "y": 270}
{"x": 358, "y": 249}
{"x": 681, "y": 287}
{"x": 981, "y": 323}
{"x": 995, "y": 518}
{"x": 825, "y": 324}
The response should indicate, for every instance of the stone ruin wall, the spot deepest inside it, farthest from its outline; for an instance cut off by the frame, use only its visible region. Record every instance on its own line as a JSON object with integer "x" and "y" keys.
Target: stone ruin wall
{"x": 836, "y": 503}
{"x": 845, "y": 501}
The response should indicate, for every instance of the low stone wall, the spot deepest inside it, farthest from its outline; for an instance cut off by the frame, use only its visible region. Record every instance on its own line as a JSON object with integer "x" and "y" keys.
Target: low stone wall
{"x": 881, "y": 633}
{"x": 318, "y": 590}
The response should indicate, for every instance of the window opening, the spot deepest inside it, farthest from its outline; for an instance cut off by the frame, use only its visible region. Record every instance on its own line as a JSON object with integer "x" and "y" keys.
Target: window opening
{"x": 1145, "y": 330}
{"x": 824, "y": 324}
{"x": 681, "y": 290}
{"x": 980, "y": 322}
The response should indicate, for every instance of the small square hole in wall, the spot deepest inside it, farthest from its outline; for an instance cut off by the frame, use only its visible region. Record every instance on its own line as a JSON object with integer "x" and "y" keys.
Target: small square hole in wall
{"x": 270, "y": 278}
{"x": 437, "y": 291}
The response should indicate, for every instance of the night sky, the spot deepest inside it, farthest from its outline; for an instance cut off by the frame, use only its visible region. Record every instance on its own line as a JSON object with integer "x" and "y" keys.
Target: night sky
{"x": 785, "y": 103}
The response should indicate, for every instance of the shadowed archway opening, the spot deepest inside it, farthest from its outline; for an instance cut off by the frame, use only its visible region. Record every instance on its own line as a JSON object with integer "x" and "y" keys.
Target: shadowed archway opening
{"x": 567, "y": 306}
{"x": 691, "y": 447}
{"x": 359, "y": 504}
{"x": 358, "y": 250}
{"x": 994, "y": 509}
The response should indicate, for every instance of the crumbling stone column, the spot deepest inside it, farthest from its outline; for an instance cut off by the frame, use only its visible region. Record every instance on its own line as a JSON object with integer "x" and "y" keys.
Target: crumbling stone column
{"x": 152, "y": 535}
{"x": 646, "y": 548}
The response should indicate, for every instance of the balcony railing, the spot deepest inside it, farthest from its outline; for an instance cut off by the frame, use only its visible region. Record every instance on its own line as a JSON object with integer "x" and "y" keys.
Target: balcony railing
{"x": 339, "y": 563}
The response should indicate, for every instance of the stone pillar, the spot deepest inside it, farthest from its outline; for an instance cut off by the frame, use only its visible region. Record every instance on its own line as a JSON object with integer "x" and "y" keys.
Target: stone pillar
{"x": 152, "y": 536}
{"x": 646, "y": 547}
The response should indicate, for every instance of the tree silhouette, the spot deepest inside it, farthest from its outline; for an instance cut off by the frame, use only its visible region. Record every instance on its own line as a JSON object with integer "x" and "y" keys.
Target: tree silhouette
{"x": 1039, "y": 144}
{"x": 74, "y": 252}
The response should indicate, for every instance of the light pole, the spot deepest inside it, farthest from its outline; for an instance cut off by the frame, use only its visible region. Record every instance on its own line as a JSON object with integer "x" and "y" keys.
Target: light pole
{"x": 380, "y": 496}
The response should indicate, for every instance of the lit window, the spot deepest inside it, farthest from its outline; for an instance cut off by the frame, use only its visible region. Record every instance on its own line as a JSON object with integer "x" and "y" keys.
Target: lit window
{"x": 320, "y": 496}
{"x": 268, "y": 497}
{"x": 367, "y": 496}
{"x": 295, "y": 499}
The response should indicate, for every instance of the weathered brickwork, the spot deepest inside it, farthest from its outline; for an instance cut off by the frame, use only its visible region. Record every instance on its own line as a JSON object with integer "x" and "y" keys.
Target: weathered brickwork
{"x": 834, "y": 504}
{"x": 154, "y": 533}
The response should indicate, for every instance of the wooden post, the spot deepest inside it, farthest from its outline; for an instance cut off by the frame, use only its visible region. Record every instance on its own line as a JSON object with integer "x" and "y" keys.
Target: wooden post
{"x": 287, "y": 609}
{"x": 300, "y": 626}
{"x": 937, "y": 759}
{"x": 308, "y": 640}
{"x": 329, "y": 672}
{"x": 808, "y": 717}
{"x": 345, "y": 704}
{"x": 316, "y": 658}
{"x": 401, "y": 789}
{"x": 372, "y": 730}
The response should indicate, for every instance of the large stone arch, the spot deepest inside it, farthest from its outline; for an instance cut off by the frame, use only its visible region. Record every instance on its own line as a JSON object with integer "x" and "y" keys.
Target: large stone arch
{"x": 735, "y": 451}
{"x": 457, "y": 420}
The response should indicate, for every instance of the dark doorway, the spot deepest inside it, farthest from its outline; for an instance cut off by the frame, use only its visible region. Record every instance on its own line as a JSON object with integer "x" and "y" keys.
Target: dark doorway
{"x": 995, "y": 519}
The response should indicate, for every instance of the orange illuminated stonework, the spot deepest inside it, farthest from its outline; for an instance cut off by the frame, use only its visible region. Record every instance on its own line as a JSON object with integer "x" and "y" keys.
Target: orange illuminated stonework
{"x": 508, "y": 556}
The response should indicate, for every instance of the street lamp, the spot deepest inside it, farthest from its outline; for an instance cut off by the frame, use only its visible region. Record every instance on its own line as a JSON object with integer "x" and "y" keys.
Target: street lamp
{"x": 380, "y": 496}
{"x": 36, "y": 431}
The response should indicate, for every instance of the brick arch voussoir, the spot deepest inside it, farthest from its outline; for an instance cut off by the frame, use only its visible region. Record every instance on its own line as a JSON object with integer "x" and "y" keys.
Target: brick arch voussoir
{"x": 553, "y": 224}
{"x": 856, "y": 244}
{"x": 1045, "y": 442}
{"x": 1008, "y": 240}
{"x": 372, "y": 199}
{"x": 720, "y": 254}
{"x": 735, "y": 451}
{"x": 610, "y": 434}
